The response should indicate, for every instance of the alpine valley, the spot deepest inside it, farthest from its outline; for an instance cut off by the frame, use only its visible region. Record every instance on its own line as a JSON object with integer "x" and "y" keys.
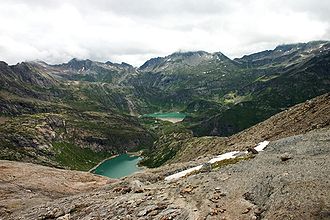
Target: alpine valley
{"x": 59, "y": 121}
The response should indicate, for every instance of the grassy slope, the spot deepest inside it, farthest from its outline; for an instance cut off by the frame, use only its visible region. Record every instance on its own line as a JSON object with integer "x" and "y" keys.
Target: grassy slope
{"x": 77, "y": 158}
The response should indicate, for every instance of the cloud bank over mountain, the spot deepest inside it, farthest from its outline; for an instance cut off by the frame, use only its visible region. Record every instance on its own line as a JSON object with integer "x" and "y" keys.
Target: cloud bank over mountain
{"x": 134, "y": 31}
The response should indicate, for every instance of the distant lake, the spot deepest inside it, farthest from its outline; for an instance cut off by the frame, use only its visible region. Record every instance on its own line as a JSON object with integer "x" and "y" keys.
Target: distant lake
{"x": 119, "y": 166}
{"x": 169, "y": 116}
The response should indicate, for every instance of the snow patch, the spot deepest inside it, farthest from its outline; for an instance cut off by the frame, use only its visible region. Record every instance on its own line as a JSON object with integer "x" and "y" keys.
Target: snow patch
{"x": 221, "y": 157}
{"x": 261, "y": 146}
{"x": 224, "y": 156}
{"x": 182, "y": 173}
{"x": 229, "y": 155}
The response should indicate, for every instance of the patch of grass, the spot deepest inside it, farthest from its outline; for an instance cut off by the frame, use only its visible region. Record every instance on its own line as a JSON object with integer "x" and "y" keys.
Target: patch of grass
{"x": 220, "y": 164}
{"x": 234, "y": 98}
{"x": 159, "y": 159}
{"x": 76, "y": 158}
{"x": 266, "y": 78}
{"x": 169, "y": 142}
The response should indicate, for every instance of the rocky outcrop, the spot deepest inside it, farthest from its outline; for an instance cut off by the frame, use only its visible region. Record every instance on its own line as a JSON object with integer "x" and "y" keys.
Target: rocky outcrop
{"x": 23, "y": 80}
{"x": 23, "y": 185}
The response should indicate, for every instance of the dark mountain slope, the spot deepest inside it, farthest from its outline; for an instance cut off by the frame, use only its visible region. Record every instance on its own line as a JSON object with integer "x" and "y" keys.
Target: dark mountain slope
{"x": 25, "y": 81}
{"x": 91, "y": 71}
{"x": 181, "y": 78}
{"x": 270, "y": 93}
{"x": 49, "y": 120}
{"x": 179, "y": 146}
{"x": 286, "y": 53}
{"x": 71, "y": 139}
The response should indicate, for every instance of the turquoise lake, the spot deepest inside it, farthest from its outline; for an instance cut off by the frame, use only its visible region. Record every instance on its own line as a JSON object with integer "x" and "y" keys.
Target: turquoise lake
{"x": 117, "y": 167}
{"x": 169, "y": 115}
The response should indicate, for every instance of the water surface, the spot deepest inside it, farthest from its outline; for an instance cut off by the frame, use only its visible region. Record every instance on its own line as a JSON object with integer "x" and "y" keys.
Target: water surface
{"x": 169, "y": 116}
{"x": 119, "y": 166}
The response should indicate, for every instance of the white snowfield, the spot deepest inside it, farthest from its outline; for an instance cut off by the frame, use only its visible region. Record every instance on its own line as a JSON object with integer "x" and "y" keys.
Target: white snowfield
{"x": 224, "y": 156}
{"x": 261, "y": 146}
{"x": 182, "y": 173}
{"x": 229, "y": 155}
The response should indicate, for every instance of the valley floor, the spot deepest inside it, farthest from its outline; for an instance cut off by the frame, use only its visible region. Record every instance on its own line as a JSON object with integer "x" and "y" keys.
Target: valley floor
{"x": 289, "y": 180}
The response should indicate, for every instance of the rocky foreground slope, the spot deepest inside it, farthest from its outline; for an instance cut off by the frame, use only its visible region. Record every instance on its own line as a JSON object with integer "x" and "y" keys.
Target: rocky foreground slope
{"x": 289, "y": 180}
{"x": 23, "y": 185}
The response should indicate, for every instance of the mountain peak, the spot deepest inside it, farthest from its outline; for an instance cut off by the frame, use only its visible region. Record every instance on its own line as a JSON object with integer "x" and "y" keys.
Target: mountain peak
{"x": 3, "y": 63}
{"x": 285, "y": 53}
{"x": 153, "y": 62}
{"x": 189, "y": 53}
{"x": 126, "y": 65}
{"x": 310, "y": 44}
{"x": 79, "y": 64}
{"x": 177, "y": 59}
{"x": 76, "y": 60}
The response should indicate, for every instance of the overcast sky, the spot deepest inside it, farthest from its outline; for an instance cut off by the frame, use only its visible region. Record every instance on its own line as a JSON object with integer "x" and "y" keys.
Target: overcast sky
{"x": 133, "y": 31}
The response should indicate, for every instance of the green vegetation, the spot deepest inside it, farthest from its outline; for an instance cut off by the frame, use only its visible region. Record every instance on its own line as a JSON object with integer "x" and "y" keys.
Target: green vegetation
{"x": 218, "y": 165}
{"x": 233, "y": 98}
{"x": 77, "y": 158}
{"x": 266, "y": 78}
{"x": 169, "y": 142}
{"x": 81, "y": 140}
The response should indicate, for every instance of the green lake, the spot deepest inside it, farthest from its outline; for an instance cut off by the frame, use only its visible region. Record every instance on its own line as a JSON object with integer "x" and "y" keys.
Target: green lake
{"x": 169, "y": 116}
{"x": 117, "y": 167}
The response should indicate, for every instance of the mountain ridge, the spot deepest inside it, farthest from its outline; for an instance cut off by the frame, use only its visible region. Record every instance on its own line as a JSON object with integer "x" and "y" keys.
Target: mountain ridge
{"x": 190, "y": 52}
{"x": 220, "y": 96}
